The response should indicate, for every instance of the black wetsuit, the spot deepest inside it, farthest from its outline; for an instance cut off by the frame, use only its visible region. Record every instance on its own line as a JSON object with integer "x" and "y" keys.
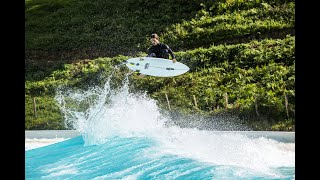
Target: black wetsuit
{"x": 160, "y": 51}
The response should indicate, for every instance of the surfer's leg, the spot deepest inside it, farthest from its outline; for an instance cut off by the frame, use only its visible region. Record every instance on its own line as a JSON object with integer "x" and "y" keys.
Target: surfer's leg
{"x": 165, "y": 54}
{"x": 152, "y": 55}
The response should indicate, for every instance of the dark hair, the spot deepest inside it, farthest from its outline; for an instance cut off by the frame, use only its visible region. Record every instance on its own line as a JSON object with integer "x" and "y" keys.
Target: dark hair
{"x": 154, "y": 35}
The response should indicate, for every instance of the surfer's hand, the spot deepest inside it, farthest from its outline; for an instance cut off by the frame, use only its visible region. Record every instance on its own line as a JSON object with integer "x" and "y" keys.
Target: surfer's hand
{"x": 174, "y": 60}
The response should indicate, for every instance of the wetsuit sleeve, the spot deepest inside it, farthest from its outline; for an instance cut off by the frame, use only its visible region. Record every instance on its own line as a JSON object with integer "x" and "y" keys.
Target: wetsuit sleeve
{"x": 150, "y": 50}
{"x": 170, "y": 52}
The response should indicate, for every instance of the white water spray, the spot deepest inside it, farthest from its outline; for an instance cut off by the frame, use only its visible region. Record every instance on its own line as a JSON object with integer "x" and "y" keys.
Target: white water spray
{"x": 100, "y": 113}
{"x": 110, "y": 112}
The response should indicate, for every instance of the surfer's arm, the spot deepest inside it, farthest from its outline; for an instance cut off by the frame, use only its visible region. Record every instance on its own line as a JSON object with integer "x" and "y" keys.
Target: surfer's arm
{"x": 150, "y": 52}
{"x": 171, "y": 53}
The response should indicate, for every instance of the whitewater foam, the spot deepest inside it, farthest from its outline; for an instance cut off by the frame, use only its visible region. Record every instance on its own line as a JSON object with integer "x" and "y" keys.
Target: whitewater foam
{"x": 33, "y": 143}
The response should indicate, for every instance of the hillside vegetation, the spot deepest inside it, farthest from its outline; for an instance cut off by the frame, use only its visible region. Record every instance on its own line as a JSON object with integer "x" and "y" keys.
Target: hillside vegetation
{"x": 241, "y": 55}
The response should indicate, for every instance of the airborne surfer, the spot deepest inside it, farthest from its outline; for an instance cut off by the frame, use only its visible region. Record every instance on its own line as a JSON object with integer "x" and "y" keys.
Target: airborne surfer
{"x": 159, "y": 49}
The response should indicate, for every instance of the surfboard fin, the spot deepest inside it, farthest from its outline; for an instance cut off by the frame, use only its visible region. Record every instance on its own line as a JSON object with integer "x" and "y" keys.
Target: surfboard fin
{"x": 147, "y": 65}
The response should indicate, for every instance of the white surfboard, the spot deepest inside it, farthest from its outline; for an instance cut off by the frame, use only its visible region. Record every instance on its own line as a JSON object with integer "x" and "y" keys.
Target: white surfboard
{"x": 156, "y": 66}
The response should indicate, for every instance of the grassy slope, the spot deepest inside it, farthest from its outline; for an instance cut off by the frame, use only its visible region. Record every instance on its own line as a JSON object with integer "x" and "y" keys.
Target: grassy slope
{"x": 63, "y": 31}
{"x": 99, "y": 28}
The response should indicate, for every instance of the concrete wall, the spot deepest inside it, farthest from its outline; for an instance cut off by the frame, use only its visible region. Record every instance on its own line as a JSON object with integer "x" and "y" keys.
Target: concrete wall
{"x": 51, "y": 134}
{"x": 276, "y": 135}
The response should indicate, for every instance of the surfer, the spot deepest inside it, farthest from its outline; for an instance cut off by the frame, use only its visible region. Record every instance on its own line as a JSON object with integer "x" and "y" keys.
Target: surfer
{"x": 159, "y": 49}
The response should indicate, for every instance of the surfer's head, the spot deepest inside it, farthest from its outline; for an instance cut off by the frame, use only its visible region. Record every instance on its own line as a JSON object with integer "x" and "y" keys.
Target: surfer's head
{"x": 154, "y": 39}
{"x": 154, "y": 35}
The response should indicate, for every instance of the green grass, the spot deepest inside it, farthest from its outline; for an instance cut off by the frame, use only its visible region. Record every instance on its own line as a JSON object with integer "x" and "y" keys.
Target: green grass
{"x": 115, "y": 27}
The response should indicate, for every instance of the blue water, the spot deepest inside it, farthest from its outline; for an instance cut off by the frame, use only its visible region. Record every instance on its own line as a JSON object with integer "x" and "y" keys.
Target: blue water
{"x": 129, "y": 158}
{"x": 125, "y": 135}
